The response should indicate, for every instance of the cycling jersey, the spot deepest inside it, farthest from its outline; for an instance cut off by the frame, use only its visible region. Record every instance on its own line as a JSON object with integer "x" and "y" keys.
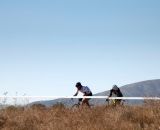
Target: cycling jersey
{"x": 85, "y": 89}
{"x": 117, "y": 94}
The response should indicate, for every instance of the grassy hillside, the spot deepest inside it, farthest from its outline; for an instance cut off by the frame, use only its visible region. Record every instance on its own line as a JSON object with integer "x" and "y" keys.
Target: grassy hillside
{"x": 145, "y": 117}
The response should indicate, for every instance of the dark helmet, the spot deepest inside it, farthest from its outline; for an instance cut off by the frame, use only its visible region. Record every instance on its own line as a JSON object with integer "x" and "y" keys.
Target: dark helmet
{"x": 78, "y": 84}
{"x": 115, "y": 87}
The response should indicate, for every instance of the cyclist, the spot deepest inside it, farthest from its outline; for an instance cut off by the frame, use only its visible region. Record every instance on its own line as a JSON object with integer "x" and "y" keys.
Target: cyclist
{"x": 115, "y": 92}
{"x": 86, "y": 91}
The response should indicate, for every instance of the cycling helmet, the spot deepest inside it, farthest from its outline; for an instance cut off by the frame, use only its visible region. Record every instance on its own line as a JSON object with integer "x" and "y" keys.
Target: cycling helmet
{"x": 78, "y": 84}
{"x": 115, "y": 87}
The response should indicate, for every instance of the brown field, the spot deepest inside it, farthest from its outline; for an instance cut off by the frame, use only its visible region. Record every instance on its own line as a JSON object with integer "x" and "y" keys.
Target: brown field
{"x": 145, "y": 117}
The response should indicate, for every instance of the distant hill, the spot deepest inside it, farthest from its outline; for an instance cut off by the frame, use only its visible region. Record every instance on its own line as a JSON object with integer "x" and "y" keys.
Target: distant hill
{"x": 140, "y": 89}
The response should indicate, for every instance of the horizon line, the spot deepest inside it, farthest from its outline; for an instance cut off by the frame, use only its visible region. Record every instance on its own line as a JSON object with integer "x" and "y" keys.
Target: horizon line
{"x": 92, "y": 97}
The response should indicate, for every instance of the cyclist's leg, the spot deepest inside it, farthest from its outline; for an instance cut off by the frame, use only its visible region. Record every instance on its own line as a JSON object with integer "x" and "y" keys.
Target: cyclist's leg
{"x": 118, "y": 102}
{"x": 86, "y": 100}
{"x": 80, "y": 99}
{"x": 113, "y": 102}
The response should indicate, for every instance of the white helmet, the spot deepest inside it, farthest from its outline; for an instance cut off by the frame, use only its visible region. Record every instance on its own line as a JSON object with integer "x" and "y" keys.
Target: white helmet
{"x": 115, "y": 87}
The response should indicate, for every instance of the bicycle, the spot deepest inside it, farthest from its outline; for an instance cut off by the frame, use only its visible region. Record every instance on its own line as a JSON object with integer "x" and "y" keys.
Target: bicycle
{"x": 79, "y": 104}
{"x": 115, "y": 102}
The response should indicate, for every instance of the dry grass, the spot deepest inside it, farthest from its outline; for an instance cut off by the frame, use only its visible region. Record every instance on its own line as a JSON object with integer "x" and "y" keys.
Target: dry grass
{"x": 100, "y": 118}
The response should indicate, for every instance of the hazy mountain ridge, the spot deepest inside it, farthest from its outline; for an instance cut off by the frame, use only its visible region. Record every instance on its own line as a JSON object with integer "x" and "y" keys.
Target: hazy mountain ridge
{"x": 139, "y": 89}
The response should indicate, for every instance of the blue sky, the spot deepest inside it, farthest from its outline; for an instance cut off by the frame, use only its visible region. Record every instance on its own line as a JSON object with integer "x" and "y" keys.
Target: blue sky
{"x": 47, "y": 46}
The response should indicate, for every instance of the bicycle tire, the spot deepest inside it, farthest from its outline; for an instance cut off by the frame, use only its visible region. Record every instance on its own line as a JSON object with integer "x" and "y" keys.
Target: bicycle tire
{"x": 75, "y": 106}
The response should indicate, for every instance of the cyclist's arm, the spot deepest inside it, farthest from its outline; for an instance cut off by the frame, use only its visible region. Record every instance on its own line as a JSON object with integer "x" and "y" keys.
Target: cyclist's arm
{"x": 121, "y": 95}
{"x": 110, "y": 95}
{"x": 111, "y": 91}
{"x": 76, "y": 93}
